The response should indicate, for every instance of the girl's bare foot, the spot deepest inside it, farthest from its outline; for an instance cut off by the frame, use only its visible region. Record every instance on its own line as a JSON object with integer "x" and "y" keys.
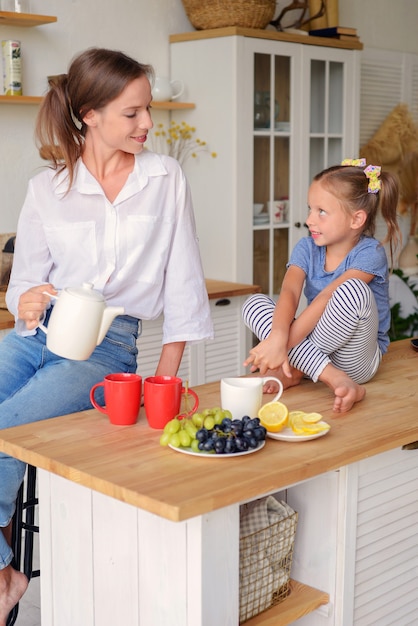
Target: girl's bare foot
{"x": 13, "y": 585}
{"x": 272, "y": 387}
{"x": 346, "y": 391}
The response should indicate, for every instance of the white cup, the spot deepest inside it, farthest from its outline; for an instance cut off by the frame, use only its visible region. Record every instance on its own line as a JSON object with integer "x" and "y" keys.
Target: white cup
{"x": 165, "y": 89}
{"x": 244, "y": 396}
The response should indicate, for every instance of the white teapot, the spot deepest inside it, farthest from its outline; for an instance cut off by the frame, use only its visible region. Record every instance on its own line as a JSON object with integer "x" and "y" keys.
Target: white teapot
{"x": 165, "y": 89}
{"x": 79, "y": 322}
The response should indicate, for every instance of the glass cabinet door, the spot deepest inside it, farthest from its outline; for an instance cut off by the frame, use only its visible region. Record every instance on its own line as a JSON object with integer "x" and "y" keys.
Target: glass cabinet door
{"x": 271, "y": 201}
{"x": 326, "y": 115}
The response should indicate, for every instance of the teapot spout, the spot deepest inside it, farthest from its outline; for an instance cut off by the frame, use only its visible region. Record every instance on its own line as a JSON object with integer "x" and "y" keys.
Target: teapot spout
{"x": 109, "y": 315}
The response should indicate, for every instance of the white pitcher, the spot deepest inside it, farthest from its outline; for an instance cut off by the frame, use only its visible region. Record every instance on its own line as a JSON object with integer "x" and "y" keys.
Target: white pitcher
{"x": 165, "y": 89}
{"x": 78, "y": 322}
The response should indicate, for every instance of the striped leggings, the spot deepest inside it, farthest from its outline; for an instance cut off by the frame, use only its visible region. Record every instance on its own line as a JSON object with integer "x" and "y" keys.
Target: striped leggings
{"x": 345, "y": 335}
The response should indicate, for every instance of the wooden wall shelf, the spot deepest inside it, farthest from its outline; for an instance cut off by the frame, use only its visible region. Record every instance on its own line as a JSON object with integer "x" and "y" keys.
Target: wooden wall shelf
{"x": 27, "y": 20}
{"x": 20, "y": 99}
{"x": 163, "y": 106}
{"x": 172, "y": 106}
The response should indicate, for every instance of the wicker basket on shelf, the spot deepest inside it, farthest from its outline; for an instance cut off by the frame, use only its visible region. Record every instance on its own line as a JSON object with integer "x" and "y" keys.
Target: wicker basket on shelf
{"x": 205, "y": 14}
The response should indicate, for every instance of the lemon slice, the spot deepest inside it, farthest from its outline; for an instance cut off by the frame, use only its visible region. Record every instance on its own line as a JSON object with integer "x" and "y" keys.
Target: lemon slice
{"x": 297, "y": 424}
{"x": 312, "y": 418}
{"x": 273, "y": 416}
{"x": 294, "y": 416}
{"x": 313, "y": 429}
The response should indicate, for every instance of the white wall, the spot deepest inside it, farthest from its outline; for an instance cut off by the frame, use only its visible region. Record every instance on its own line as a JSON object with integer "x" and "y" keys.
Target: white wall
{"x": 387, "y": 24}
{"x": 140, "y": 28}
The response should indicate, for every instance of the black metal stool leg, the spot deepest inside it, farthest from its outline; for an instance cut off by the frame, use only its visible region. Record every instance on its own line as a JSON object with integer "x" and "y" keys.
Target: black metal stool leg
{"x": 25, "y": 503}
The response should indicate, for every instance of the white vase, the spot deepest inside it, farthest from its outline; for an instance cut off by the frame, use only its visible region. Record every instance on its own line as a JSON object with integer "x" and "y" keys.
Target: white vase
{"x": 408, "y": 259}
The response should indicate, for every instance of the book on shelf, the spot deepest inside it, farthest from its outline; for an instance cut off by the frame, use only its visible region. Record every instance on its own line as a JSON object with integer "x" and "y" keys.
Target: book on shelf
{"x": 347, "y": 37}
{"x": 333, "y": 31}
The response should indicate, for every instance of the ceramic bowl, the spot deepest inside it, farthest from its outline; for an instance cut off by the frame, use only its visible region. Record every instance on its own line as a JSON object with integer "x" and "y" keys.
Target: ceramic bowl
{"x": 257, "y": 208}
{"x": 414, "y": 344}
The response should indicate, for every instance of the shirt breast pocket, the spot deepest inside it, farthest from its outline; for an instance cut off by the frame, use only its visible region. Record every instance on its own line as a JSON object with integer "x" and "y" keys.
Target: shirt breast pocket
{"x": 148, "y": 242}
{"x": 72, "y": 245}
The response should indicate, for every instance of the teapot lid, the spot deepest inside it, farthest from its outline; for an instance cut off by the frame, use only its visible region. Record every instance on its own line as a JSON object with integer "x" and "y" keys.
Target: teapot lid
{"x": 86, "y": 291}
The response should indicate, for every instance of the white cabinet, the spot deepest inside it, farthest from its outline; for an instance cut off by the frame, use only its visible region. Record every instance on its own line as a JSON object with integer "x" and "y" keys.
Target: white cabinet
{"x": 356, "y": 540}
{"x": 276, "y": 112}
{"x": 205, "y": 361}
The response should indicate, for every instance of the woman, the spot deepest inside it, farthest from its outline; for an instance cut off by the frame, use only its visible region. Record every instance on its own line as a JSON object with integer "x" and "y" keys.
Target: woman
{"x": 106, "y": 212}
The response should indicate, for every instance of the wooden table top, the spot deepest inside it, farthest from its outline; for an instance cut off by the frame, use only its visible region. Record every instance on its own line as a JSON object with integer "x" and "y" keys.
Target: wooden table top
{"x": 128, "y": 463}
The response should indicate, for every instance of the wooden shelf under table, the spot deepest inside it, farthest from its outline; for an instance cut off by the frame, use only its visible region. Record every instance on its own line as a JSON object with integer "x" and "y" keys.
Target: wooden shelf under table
{"x": 301, "y": 601}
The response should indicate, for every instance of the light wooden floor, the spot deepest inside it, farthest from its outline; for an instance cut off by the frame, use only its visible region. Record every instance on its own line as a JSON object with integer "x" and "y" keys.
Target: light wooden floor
{"x": 29, "y": 607}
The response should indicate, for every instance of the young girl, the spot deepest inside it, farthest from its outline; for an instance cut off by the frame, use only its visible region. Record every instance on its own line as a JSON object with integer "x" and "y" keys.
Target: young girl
{"x": 340, "y": 337}
{"x": 105, "y": 212}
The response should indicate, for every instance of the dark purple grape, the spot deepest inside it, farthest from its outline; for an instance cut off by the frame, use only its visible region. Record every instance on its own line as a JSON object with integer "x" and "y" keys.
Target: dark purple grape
{"x": 202, "y": 434}
{"x": 230, "y": 446}
{"x": 237, "y": 428}
{"x": 241, "y": 444}
{"x": 220, "y": 445}
{"x": 260, "y": 433}
{"x": 252, "y": 442}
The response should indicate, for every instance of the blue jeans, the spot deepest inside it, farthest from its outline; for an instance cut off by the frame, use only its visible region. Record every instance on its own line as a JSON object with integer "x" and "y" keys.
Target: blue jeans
{"x": 36, "y": 384}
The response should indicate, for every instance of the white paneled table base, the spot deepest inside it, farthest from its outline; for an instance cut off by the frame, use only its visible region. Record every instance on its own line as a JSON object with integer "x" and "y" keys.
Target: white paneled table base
{"x": 145, "y": 570}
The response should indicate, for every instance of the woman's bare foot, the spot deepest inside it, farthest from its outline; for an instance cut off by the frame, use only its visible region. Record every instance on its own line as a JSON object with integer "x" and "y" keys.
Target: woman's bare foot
{"x": 272, "y": 387}
{"x": 346, "y": 391}
{"x": 13, "y": 585}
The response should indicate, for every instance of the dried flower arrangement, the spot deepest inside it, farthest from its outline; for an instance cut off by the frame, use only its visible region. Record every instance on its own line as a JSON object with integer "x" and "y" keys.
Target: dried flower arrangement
{"x": 178, "y": 141}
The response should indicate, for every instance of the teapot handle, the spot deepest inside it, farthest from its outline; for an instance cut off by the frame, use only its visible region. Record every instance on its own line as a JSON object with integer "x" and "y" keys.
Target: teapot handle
{"x": 40, "y": 325}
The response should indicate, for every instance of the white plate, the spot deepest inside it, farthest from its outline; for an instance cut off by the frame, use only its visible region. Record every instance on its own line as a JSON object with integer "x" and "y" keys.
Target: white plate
{"x": 217, "y": 456}
{"x": 261, "y": 219}
{"x": 287, "y": 434}
{"x": 282, "y": 126}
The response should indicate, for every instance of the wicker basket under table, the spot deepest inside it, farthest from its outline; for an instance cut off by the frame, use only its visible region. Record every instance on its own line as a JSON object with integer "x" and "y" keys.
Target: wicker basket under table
{"x": 264, "y": 567}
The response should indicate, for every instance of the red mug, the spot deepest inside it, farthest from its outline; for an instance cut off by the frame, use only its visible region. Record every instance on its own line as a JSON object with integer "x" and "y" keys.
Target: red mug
{"x": 122, "y": 393}
{"x": 162, "y": 399}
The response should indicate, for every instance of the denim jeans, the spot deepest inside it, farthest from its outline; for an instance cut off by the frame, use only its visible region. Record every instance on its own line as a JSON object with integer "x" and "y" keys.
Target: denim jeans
{"x": 36, "y": 384}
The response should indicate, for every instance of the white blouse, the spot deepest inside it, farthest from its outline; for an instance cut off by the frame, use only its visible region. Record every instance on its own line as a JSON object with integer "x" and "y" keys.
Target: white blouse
{"x": 141, "y": 251}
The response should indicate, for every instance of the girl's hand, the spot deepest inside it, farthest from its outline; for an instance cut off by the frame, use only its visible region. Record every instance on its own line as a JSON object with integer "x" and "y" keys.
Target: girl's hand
{"x": 269, "y": 354}
{"x": 32, "y": 304}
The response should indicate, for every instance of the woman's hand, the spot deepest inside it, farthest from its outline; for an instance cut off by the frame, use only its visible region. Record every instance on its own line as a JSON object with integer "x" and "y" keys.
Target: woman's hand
{"x": 32, "y": 304}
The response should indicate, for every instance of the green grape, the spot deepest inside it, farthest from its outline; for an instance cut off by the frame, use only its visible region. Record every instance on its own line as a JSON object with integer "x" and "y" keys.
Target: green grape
{"x": 197, "y": 419}
{"x": 218, "y": 416}
{"x": 190, "y": 428}
{"x": 165, "y": 439}
{"x": 209, "y": 422}
{"x": 207, "y": 412}
{"x": 195, "y": 445}
{"x": 185, "y": 439}
{"x": 175, "y": 440}
{"x": 227, "y": 413}
{"x": 173, "y": 426}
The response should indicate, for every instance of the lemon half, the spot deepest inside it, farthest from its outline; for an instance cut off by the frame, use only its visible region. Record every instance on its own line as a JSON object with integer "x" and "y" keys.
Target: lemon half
{"x": 273, "y": 416}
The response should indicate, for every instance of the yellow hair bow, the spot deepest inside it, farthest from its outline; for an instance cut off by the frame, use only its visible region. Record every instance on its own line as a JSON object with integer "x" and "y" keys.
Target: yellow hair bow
{"x": 354, "y": 162}
{"x": 372, "y": 172}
